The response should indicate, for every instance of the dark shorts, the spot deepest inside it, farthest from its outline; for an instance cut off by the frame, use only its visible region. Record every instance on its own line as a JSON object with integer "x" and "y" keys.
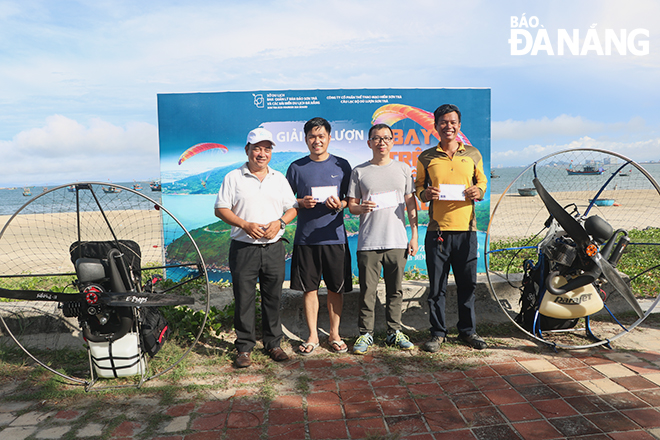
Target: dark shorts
{"x": 330, "y": 261}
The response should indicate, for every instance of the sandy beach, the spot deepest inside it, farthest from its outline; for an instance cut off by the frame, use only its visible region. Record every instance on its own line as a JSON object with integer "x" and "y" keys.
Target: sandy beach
{"x": 514, "y": 216}
{"x": 39, "y": 243}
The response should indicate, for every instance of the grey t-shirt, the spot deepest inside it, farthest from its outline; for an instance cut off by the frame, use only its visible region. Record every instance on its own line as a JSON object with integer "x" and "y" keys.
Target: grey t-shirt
{"x": 383, "y": 228}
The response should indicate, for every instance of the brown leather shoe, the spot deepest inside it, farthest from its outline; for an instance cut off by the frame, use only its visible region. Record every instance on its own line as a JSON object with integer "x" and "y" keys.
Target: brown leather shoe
{"x": 243, "y": 359}
{"x": 278, "y": 355}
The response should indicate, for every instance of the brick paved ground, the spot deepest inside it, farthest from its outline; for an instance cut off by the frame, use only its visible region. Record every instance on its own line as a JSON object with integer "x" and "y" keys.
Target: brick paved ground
{"x": 512, "y": 391}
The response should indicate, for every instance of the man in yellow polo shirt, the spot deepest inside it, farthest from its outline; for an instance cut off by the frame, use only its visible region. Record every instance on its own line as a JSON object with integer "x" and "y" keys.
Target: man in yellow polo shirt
{"x": 451, "y": 177}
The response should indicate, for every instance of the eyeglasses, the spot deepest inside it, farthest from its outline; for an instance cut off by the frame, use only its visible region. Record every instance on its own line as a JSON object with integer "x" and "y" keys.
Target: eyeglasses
{"x": 377, "y": 139}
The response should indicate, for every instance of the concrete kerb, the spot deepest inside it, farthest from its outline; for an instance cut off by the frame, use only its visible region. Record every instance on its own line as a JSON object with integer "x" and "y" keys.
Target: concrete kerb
{"x": 415, "y": 308}
{"x": 415, "y": 311}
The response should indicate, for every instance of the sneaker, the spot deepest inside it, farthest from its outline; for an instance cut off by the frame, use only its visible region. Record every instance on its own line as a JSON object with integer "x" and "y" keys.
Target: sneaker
{"x": 399, "y": 340}
{"x": 433, "y": 344}
{"x": 363, "y": 343}
{"x": 473, "y": 340}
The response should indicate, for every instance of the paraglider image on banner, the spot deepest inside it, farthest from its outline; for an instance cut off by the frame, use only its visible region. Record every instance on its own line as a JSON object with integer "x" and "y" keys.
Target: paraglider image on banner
{"x": 203, "y": 136}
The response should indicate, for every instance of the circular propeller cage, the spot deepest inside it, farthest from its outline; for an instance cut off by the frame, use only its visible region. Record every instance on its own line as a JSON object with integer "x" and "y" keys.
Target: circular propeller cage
{"x": 39, "y": 253}
{"x": 522, "y": 235}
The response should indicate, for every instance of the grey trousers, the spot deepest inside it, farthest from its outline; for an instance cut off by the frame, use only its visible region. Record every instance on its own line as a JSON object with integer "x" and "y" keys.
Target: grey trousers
{"x": 393, "y": 262}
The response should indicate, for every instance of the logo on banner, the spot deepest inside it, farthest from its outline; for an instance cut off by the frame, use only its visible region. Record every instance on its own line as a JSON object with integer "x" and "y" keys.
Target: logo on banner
{"x": 258, "y": 100}
{"x": 529, "y": 37}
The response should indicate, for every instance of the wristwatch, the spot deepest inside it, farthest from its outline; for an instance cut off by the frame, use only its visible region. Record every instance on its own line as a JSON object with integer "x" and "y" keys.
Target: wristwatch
{"x": 282, "y": 224}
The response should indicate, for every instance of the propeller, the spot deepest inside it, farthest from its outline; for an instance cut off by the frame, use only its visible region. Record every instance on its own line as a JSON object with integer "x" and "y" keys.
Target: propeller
{"x": 575, "y": 230}
{"x": 570, "y": 225}
{"x": 613, "y": 277}
{"x": 144, "y": 299}
{"x": 123, "y": 299}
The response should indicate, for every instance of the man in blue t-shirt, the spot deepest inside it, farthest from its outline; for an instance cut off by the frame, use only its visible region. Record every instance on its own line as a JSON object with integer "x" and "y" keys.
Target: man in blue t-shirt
{"x": 320, "y": 182}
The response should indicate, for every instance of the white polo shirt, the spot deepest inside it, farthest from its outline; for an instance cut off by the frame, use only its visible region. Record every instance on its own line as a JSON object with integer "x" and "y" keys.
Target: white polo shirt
{"x": 254, "y": 200}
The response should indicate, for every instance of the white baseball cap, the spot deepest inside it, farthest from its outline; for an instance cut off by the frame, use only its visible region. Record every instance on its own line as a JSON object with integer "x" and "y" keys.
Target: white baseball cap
{"x": 260, "y": 134}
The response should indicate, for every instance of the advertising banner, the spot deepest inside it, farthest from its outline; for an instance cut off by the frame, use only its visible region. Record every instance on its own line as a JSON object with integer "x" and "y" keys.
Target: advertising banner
{"x": 203, "y": 136}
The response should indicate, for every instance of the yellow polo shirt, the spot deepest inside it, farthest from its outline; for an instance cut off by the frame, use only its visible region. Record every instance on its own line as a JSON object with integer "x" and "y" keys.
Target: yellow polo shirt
{"x": 434, "y": 167}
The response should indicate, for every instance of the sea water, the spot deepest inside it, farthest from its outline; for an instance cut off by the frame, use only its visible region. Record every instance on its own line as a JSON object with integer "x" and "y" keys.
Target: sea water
{"x": 12, "y": 199}
{"x": 196, "y": 211}
{"x": 507, "y": 175}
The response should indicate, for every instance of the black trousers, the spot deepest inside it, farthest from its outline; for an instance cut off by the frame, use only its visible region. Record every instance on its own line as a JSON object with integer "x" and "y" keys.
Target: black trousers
{"x": 458, "y": 250}
{"x": 249, "y": 264}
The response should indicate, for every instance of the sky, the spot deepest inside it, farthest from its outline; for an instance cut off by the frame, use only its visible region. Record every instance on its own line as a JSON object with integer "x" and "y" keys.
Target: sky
{"x": 79, "y": 79}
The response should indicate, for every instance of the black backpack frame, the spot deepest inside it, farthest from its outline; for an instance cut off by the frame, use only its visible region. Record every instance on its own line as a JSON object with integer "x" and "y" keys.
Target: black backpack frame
{"x": 531, "y": 294}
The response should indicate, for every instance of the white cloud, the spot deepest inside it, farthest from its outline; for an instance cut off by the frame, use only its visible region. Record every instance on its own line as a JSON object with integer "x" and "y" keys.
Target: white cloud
{"x": 65, "y": 150}
{"x": 517, "y": 143}
{"x": 198, "y": 46}
{"x": 563, "y": 125}
{"x": 639, "y": 151}
{"x": 110, "y": 58}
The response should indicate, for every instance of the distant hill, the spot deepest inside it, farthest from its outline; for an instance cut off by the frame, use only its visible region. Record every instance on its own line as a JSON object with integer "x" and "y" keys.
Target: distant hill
{"x": 213, "y": 242}
{"x": 210, "y": 181}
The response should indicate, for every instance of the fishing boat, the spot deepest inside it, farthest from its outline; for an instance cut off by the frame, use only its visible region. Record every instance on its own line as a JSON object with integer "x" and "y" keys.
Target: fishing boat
{"x": 527, "y": 192}
{"x": 71, "y": 188}
{"x": 27, "y": 192}
{"x": 111, "y": 190}
{"x": 587, "y": 170}
{"x": 137, "y": 186}
{"x": 602, "y": 202}
{"x": 493, "y": 175}
{"x": 155, "y": 186}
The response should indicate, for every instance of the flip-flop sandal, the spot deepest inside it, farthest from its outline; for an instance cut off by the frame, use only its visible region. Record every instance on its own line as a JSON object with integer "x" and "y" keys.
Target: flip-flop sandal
{"x": 337, "y": 346}
{"x": 306, "y": 345}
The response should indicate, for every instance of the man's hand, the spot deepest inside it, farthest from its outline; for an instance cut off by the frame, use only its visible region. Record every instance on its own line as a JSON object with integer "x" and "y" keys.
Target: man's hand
{"x": 334, "y": 203}
{"x": 473, "y": 193}
{"x": 307, "y": 202}
{"x": 432, "y": 193}
{"x": 413, "y": 247}
{"x": 256, "y": 230}
{"x": 367, "y": 206}
{"x": 271, "y": 229}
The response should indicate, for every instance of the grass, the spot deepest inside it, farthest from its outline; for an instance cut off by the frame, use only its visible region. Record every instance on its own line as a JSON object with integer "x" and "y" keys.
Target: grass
{"x": 415, "y": 273}
{"x": 643, "y": 253}
{"x": 511, "y": 261}
{"x": 52, "y": 283}
{"x": 210, "y": 366}
{"x": 638, "y": 258}
{"x": 302, "y": 384}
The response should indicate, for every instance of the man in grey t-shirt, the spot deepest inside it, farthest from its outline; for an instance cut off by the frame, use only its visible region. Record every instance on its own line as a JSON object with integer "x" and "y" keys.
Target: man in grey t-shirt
{"x": 380, "y": 191}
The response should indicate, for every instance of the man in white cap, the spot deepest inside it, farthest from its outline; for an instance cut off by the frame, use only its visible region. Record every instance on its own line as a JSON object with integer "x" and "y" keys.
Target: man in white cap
{"x": 257, "y": 202}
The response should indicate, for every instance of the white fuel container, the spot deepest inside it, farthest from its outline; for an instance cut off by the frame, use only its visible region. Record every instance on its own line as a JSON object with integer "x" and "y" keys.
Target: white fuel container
{"x": 119, "y": 358}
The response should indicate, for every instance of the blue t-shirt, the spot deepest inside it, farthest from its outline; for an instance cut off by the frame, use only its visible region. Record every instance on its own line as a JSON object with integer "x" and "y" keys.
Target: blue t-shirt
{"x": 319, "y": 225}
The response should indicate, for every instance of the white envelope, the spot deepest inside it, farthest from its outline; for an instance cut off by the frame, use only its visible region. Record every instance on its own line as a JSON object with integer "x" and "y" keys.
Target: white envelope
{"x": 323, "y": 193}
{"x": 385, "y": 200}
{"x": 452, "y": 192}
